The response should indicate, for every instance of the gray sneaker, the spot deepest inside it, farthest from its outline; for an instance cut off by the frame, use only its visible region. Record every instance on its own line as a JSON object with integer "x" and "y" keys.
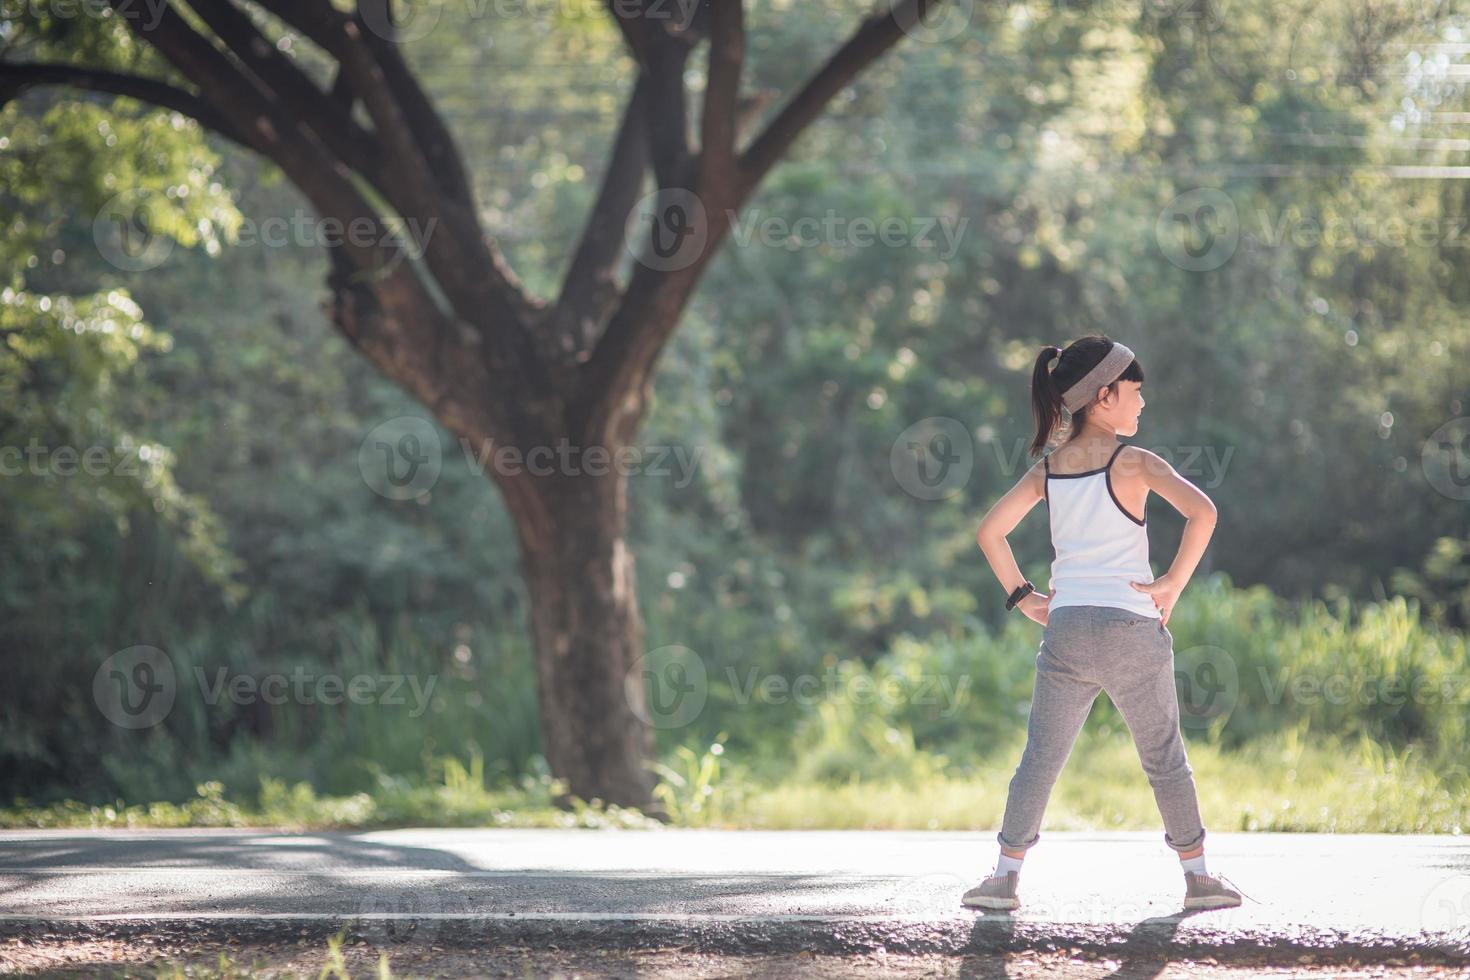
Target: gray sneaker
{"x": 1208, "y": 892}
{"x": 995, "y": 892}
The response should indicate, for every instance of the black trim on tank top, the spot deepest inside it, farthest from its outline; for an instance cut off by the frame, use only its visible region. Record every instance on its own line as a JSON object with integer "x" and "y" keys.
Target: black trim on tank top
{"x": 1135, "y": 520}
{"x": 1069, "y": 476}
{"x": 1105, "y": 468}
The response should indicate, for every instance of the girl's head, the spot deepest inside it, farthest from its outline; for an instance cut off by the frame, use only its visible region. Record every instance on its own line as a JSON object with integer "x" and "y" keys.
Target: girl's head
{"x": 1114, "y": 404}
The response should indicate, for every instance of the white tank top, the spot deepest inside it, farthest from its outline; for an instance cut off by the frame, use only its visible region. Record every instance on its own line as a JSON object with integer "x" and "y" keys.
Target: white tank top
{"x": 1100, "y": 547}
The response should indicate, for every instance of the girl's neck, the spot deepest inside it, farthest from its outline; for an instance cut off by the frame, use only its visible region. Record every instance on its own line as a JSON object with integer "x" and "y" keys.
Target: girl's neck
{"x": 1092, "y": 446}
{"x": 1096, "y": 431}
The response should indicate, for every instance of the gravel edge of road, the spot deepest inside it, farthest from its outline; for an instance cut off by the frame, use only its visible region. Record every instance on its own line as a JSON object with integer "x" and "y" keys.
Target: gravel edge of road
{"x": 957, "y": 937}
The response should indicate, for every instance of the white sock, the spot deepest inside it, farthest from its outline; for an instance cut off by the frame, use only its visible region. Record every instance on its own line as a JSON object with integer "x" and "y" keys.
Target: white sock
{"x": 1005, "y": 864}
{"x": 1195, "y": 864}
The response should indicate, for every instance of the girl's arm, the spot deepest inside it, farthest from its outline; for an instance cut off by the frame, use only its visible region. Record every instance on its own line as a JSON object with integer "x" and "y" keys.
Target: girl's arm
{"x": 1199, "y": 524}
{"x": 999, "y": 522}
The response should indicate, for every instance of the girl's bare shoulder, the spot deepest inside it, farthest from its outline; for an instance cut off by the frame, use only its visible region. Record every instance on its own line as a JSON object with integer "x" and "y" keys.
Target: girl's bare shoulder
{"x": 1143, "y": 464}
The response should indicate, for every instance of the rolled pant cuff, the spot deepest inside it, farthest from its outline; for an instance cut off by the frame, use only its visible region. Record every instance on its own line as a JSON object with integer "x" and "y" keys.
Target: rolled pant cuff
{"x": 1016, "y": 847}
{"x": 1192, "y": 845}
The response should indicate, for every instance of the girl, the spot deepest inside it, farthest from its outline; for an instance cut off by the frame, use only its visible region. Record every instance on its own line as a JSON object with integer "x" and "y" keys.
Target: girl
{"x": 1104, "y": 622}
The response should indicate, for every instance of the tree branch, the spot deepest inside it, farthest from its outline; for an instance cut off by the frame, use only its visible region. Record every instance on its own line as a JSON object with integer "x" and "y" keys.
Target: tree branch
{"x": 297, "y": 150}
{"x": 426, "y": 170}
{"x": 662, "y": 55}
{"x": 872, "y": 39}
{"x": 429, "y": 127}
{"x": 15, "y": 78}
{"x": 619, "y": 371}
{"x": 718, "y": 120}
{"x": 352, "y": 144}
{"x": 589, "y": 285}
{"x": 323, "y": 25}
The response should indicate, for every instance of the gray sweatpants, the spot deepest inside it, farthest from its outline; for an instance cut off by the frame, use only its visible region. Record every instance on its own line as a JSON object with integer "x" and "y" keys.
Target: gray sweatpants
{"x": 1084, "y": 650}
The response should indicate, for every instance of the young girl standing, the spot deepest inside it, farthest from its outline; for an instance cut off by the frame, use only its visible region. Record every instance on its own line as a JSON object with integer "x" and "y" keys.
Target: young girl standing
{"x": 1104, "y": 622}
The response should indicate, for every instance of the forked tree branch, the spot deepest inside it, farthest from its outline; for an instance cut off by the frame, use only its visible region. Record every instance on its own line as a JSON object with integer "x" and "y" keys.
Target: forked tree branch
{"x": 616, "y": 376}
{"x": 324, "y": 25}
{"x": 291, "y": 87}
{"x": 661, "y": 54}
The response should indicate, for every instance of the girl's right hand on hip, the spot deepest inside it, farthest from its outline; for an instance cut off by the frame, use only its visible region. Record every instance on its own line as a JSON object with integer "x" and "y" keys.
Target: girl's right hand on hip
{"x": 1035, "y": 606}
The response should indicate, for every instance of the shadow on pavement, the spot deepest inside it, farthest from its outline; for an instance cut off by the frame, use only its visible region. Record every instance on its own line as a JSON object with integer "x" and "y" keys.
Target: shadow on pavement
{"x": 1143, "y": 952}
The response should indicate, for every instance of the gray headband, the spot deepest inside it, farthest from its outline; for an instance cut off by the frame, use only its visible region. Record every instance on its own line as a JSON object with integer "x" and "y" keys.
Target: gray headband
{"x": 1114, "y": 362}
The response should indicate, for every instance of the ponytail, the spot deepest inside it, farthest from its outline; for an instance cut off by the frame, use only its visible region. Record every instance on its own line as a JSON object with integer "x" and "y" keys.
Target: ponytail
{"x": 1048, "y": 381}
{"x": 1046, "y": 400}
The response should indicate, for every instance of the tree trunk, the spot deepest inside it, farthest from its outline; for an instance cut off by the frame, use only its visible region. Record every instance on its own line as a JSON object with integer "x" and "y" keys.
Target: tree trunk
{"x": 457, "y": 329}
{"x": 588, "y": 637}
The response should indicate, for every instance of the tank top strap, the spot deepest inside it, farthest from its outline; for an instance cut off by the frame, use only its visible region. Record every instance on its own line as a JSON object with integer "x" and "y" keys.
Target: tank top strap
{"x": 1114, "y": 456}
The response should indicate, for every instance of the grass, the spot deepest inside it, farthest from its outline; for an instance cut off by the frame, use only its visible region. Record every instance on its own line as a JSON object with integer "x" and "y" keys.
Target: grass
{"x": 1332, "y": 718}
{"x": 1278, "y": 783}
{"x": 226, "y": 967}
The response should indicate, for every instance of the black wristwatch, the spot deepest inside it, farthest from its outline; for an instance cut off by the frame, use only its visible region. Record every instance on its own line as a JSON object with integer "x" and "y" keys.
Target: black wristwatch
{"x": 1022, "y": 591}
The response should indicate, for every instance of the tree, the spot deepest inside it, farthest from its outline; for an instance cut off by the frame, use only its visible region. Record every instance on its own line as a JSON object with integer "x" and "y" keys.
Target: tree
{"x": 448, "y": 320}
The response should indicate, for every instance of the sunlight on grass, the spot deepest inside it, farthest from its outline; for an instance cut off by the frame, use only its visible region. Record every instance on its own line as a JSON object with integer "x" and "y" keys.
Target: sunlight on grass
{"x": 1277, "y": 785}
{"x": 1331, "y": 718}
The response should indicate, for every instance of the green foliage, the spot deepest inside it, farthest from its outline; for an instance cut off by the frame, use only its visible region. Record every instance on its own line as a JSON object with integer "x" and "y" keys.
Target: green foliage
{"x": 334, "y": 967}
{"x": 1443, "y": 585}
{"x": 1053, "y": 135}
{"x": 693, "y": 789}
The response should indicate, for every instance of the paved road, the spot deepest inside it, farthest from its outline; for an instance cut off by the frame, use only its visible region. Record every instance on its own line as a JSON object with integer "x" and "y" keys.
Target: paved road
{"x": 1332, "y": 896}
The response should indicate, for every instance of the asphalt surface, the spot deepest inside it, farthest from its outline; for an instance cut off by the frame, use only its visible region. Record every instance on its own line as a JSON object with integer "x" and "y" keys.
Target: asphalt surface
{"x": 1329, "y": 897}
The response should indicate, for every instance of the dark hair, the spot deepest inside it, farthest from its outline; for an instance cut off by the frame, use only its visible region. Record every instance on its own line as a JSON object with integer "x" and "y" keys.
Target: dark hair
{"x": 1048, "y": 383}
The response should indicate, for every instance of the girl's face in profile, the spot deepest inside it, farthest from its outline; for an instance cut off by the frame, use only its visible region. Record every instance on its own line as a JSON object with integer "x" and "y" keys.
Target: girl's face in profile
{"x": 1122, "y": 408}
